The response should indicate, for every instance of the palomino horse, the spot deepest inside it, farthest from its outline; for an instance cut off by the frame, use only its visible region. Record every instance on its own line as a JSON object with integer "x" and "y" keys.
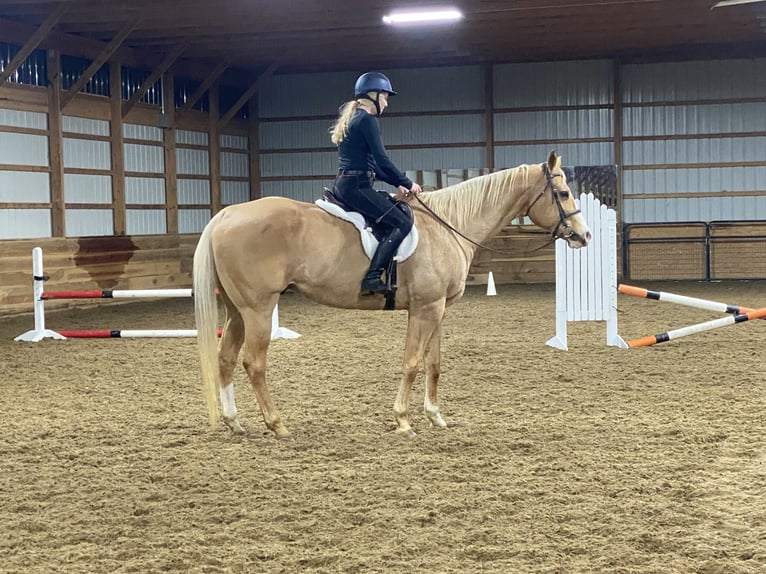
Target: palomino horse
{"x": 254, "y": 251}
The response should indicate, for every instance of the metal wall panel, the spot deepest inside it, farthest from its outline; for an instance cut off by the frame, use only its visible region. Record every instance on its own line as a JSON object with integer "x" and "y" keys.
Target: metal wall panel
{"x": 192, "y": 162}
{"x": 193, "y": 192}
{"x": 192, "y": 220}
{"x": 693, "y": 180}
{"x": 437, "y": 89}
{"x": 235, "y": 142}
{"x": 25, "y": 223}
{"x": 318, "y": 94}
{"x": 703, "y": 80}
{"x": 235, "y": 164}
{"x": 24, "y": 186}
{"x": 553, "y": 84}
{"x": 18, "y": 119}
{"x": 295, "y": 134}
{"x": 145, "y": 222}
{"x": 302, "y": 190}
{"x": 141, "y": 132}
{"x": 571, "y": 154}
{"x": 433, "y": 130}
{"x": 294, "y": 164}
{"x": 23, "y": 149}
{"x": 191, "y": 137}
{"x": 81, "y": 188}
{"x": 86, "y": 126}
{"x": 234, "y": 192}
{"x": 144, "y": 158}
{"x": 86, "y": 154}
{"x": 711, "y": 150}
{"x": 553, "y": 125}
{"x": 664, "y": 210}
{"x": 439, "y": 158}
{"x": 144, "y": 190}
{"x": 694, "y": 119}
{"x": 89, "y": 222}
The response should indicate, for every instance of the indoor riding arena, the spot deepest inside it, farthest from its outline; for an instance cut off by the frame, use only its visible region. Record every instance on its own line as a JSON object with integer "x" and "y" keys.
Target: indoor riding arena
{"x": 605, "y": 404}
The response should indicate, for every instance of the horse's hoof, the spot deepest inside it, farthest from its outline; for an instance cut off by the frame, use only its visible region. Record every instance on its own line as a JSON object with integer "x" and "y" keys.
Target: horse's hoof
{"x": 234, "y": 426}
{"x": 282, "y": 433}
{"x": 406, "y": 433}
{"x": 436, "y": 420}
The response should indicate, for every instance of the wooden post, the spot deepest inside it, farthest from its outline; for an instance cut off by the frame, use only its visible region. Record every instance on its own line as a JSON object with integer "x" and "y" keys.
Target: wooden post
{"x": 489, "y": 114}
{"x": 117, "y": 149}
{"x": 55, "y": 145}
{"x": 617, "y": 97}
{"x": 169, "y": 148}
{"x": 254, "y": 147}
{"x": 214, "y": 149}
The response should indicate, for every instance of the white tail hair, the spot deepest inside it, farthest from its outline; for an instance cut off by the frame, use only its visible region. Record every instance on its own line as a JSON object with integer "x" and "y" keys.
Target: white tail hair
{"x": 206, "y": 316}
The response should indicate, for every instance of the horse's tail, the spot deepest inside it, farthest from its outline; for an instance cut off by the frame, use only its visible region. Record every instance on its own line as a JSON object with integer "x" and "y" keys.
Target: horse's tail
{"x": 206, "y": 316}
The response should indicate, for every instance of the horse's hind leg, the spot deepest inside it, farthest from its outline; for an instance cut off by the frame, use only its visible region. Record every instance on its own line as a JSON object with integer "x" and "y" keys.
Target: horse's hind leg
{"x": 257, "y": 339}
{"x": 432, "y": 367}
{"x": 228, "y": 351}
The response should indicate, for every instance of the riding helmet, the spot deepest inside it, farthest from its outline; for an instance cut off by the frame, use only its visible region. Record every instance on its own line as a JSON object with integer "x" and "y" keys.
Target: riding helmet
{"x": 372, "y": 82}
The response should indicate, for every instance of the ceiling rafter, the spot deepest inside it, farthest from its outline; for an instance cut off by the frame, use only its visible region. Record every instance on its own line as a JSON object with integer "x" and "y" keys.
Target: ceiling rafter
{"x": 166, "y": 63}
{"x": 100, "y": 60}
{"x": 249, "y": 93}
{"x": 34, "y": 41}
{"x": 205, "y": 86}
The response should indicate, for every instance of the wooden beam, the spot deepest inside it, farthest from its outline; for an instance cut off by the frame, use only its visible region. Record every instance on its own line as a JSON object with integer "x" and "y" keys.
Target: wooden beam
{"x": 15, "y": 32}
{"x": 33, "y": 42}
{"x": 254, "y": 145}
{"x": 94, "y": 67}
{"x": 169, "y": 151}
{"x": 205, "y": 85}
{"x": 55, "y": 145}
{"x": 117, "y": 150}
{"x": 249, "y": 93}
{"x": 214, "y": 150}
{"x": 167, "y": 61}
{"x": 617, "y": 121}
{"x": 489, "y": 114}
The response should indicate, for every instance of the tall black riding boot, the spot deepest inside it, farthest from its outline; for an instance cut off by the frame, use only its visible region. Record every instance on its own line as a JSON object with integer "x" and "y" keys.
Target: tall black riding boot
{"x": 387, "y": 247}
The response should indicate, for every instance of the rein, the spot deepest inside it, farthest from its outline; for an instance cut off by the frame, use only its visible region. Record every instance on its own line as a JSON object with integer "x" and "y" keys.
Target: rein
{"x": 563, "y": 216}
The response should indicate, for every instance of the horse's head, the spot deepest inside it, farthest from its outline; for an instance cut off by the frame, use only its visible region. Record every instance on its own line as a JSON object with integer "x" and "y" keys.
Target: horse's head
{"x": 554, "y": 208}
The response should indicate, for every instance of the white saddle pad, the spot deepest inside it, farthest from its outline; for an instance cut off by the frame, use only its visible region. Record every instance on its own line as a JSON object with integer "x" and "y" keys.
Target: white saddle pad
{"x": 369, "y": 243}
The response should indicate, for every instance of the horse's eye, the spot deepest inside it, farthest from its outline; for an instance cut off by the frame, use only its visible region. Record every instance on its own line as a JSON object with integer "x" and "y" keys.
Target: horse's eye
{"x": 564, "y": 194}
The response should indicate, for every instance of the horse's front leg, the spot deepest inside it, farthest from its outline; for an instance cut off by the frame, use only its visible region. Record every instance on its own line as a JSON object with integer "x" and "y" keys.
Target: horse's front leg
{"x": 432, "y": 367}
{"x": 420, "y": 327}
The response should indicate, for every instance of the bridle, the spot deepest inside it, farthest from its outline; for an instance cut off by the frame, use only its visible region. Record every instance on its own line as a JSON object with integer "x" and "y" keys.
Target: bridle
{"x": 555, "y": 234}
{"x": 556, "y": 195}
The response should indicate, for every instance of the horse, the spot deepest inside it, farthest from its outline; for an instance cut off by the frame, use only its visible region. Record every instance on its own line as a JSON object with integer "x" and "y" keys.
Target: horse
{"x": 252, "y": 252}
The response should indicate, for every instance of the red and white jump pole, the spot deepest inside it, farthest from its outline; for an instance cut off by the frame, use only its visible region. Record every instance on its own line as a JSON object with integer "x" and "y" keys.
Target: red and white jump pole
{"x": 40, "y": 296}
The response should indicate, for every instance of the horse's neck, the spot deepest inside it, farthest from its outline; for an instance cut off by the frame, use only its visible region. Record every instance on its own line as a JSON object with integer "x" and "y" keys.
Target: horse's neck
{"x": 502, "y": 199}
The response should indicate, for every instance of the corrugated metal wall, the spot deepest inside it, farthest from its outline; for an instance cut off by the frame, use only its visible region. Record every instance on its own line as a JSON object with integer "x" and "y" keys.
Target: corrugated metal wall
{"x": 682, "y": 125}
{"x": 693, "y": 142}
{"x": 691, "y": 119}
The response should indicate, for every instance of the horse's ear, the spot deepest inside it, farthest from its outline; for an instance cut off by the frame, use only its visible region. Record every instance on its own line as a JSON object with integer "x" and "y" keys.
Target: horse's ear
{"x": 554, "y": 161}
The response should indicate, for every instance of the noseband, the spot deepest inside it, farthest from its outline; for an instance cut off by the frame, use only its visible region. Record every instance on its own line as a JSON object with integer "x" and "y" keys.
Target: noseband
{"x": 561, "y": 226}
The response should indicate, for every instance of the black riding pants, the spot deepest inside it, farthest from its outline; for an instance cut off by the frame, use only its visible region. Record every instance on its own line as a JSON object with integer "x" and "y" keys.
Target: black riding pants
{"x": 356, "y": 191}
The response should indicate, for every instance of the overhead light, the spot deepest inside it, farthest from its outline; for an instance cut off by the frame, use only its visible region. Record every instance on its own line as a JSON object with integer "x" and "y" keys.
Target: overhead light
{"x": 422, "y": 17}
{"x": 724, "y": 3}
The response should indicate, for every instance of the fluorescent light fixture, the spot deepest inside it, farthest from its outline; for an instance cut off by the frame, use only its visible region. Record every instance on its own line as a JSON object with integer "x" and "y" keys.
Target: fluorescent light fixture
{"x": 423, "y": 17}
{"x": 724, "y": 3}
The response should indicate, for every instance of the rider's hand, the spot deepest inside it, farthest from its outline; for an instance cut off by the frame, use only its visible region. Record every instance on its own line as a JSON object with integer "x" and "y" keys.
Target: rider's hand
{"x": 404, "y": 192}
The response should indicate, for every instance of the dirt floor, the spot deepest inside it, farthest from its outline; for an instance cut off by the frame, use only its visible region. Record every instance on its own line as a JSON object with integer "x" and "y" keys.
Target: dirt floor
{"x": 594, "y": 460}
